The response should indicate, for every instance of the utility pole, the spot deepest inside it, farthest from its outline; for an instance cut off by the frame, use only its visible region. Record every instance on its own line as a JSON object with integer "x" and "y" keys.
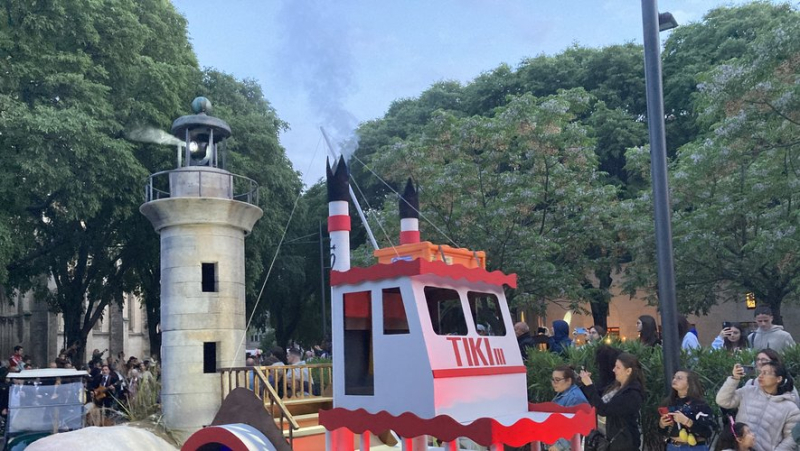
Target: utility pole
{"x": 658, "y": 168}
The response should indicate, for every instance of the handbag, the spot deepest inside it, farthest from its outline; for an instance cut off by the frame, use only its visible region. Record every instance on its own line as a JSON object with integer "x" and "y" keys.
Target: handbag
{"x": 596, "y": 441}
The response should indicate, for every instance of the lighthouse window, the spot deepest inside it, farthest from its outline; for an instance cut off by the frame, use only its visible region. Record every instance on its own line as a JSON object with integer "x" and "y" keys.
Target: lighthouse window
{"x": 447, "y": 315}
{"x": 358, "y": 374}
{"x": 486, "y": 313}
{"x": 209, "y": 281}
{"x": 209, "y": 357}
{"x": 395, "y": 321}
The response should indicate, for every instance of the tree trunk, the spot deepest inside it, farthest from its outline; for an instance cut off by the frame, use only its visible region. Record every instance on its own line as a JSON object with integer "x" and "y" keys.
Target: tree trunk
{"x": 73, "y": 336}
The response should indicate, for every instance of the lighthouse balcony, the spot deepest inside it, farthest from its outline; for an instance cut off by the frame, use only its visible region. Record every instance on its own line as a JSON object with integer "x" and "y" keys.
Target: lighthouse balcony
{"x": 201, "y": 181}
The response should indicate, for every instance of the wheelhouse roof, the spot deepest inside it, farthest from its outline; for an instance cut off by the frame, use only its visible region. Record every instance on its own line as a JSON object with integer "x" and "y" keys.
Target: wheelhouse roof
{"x": 47, "y": 372}
{"x": 418, "y": 267}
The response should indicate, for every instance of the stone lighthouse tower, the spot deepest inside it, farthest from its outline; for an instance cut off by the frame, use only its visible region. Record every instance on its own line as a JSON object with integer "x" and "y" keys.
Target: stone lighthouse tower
{"x": 203, "y": 214}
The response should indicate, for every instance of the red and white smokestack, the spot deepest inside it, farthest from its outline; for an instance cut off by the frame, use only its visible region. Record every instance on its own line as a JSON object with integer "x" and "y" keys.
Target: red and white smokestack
{"x": 338, "y": 181}
{"x": 409, "y": 215}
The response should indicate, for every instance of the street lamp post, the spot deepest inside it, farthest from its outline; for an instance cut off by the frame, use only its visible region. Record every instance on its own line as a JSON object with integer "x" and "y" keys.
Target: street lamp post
{"x": 658, "y": 168}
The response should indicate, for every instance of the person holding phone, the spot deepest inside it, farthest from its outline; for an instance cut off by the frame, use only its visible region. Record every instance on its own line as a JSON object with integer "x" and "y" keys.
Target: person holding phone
{"x": 685, "y": 418}
{"x": 618, "y": 407}
{"x": 767, "y": 407}
{"x": 730, "y": 338}
{"x": 764, "y": 356}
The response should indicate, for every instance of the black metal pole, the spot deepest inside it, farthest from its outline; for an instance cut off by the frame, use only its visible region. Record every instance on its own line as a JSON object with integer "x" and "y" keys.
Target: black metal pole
{"x": 661, "y": 203}
{"x": 322, "y": 285}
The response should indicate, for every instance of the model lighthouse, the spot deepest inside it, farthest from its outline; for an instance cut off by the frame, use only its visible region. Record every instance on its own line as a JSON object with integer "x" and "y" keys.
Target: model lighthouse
{"x": 203, "y": 214}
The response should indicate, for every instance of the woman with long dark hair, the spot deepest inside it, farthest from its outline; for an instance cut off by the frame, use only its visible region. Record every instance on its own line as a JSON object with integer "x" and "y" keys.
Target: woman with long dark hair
{"x": 618, "y": 407}
{"x": 648, "y": 330}
{"x": 731, "y": 338}
{"x": 688, "y": 421}
{"x": 767, "y": 407}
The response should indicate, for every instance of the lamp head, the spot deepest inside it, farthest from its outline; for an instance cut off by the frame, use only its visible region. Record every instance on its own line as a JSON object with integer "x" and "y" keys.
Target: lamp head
{"x": 666, "y": 21}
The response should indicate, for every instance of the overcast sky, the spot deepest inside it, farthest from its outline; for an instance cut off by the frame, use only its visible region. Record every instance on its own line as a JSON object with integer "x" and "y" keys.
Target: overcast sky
{"x": 337, "y": 63}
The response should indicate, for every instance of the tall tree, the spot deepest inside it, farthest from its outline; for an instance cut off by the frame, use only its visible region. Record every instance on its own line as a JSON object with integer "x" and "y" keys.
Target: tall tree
{"x": 522, "y": 185}
{"x": 724, "y": 35}
{"x": 77, "y": 74}
{"x": 735, "y": 189}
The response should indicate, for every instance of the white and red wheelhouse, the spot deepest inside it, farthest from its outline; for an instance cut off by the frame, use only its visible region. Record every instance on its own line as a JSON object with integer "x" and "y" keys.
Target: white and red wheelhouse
{"x": 424, "y": 344}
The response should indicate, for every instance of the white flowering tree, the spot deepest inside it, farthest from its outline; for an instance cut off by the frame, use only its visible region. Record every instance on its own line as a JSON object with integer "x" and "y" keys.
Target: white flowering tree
{"x": 736, "y": 190}
{"x": 521, "y": 184}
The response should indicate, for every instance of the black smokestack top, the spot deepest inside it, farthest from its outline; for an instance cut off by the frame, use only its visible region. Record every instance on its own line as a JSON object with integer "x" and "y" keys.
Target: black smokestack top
{"x": 338, "y": 181}
{"x": 409, "y": 201}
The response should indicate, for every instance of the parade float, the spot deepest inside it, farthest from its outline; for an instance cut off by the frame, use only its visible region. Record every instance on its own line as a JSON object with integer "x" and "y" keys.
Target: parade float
{"x": 424, "y": 346}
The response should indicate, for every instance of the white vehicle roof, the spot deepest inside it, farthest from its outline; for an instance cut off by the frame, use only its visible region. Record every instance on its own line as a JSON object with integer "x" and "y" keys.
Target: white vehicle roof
{"x": 47, "y": 372}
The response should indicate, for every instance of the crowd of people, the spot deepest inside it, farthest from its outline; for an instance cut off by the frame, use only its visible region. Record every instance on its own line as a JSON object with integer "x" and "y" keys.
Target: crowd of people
{"x": 114, "y": 381}
{"x": 760, "y": 407}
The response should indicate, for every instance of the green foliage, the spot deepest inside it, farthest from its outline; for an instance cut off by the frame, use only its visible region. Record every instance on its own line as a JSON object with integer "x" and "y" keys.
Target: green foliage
{"x": 522, "y": 185}
{"x": 77, "y": 74}
{"x": 712, "y": 365}
{"x": 145, "y": 405}
{"x": 734, "y": 188}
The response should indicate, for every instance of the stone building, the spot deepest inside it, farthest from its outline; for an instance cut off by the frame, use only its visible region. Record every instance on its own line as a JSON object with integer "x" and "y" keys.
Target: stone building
{"x": 29, "y": 323}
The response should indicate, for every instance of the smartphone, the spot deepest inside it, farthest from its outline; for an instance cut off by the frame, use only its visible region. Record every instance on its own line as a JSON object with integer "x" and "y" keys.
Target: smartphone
{"x": 663, "y": 411}
{"x": 726, "y": 324}
{"x": 749, "y": 370}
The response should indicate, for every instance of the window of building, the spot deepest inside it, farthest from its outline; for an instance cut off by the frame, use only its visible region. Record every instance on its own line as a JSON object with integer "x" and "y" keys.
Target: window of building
{"x": 209, "y": 357}
{"x": 358, "y": 372}
{"x": 209, "y": 282}
{"x": 447, "y": 315}
{"x": 395, "y": 321}
{"x": 131, "y": 301}
{"x": 486, "y": 313}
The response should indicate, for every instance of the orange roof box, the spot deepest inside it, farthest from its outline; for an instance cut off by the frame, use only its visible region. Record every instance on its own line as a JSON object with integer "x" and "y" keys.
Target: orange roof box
{"x": 432, "y": 252}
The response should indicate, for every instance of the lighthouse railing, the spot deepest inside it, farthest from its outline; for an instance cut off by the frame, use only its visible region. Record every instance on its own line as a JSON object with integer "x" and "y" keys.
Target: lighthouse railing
{"x": 241, "y": 188}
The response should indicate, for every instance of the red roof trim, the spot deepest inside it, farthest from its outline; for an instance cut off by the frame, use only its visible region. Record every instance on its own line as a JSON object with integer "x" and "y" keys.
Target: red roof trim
{"x": 483, "y": 431}
{"x": 482, "y": 371}
{"x": 418, "y": 267}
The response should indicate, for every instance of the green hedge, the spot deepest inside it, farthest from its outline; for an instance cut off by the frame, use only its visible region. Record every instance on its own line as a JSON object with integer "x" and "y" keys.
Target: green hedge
{"x": 713, "y": 366}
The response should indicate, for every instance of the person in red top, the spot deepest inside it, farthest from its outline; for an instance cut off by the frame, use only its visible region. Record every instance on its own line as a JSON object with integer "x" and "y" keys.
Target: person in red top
{"x": 15, "y": 362}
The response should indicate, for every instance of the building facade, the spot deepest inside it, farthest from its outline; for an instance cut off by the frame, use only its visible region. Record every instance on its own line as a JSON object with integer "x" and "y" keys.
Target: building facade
{"x": 27, "y": 322}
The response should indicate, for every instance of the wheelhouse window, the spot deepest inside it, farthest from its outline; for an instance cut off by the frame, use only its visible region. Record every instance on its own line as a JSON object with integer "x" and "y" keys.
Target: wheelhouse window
{"x": 395, "y": 321}
{"x": 358, "y": 372}
{"x": 486, "y": 313}
{"x": 447, "y": 315}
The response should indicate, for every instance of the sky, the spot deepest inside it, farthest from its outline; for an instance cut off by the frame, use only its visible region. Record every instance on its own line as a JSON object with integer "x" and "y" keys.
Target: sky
{"x": 338, "y": 63}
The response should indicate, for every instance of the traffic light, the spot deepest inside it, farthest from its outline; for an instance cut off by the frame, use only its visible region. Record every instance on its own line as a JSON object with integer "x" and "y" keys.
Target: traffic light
{"x": 750, "y": 300}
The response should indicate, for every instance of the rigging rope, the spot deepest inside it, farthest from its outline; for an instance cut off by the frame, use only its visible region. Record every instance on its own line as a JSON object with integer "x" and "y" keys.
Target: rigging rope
{"x": 422, "y": 215}
{"x": 274, "y": 257}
